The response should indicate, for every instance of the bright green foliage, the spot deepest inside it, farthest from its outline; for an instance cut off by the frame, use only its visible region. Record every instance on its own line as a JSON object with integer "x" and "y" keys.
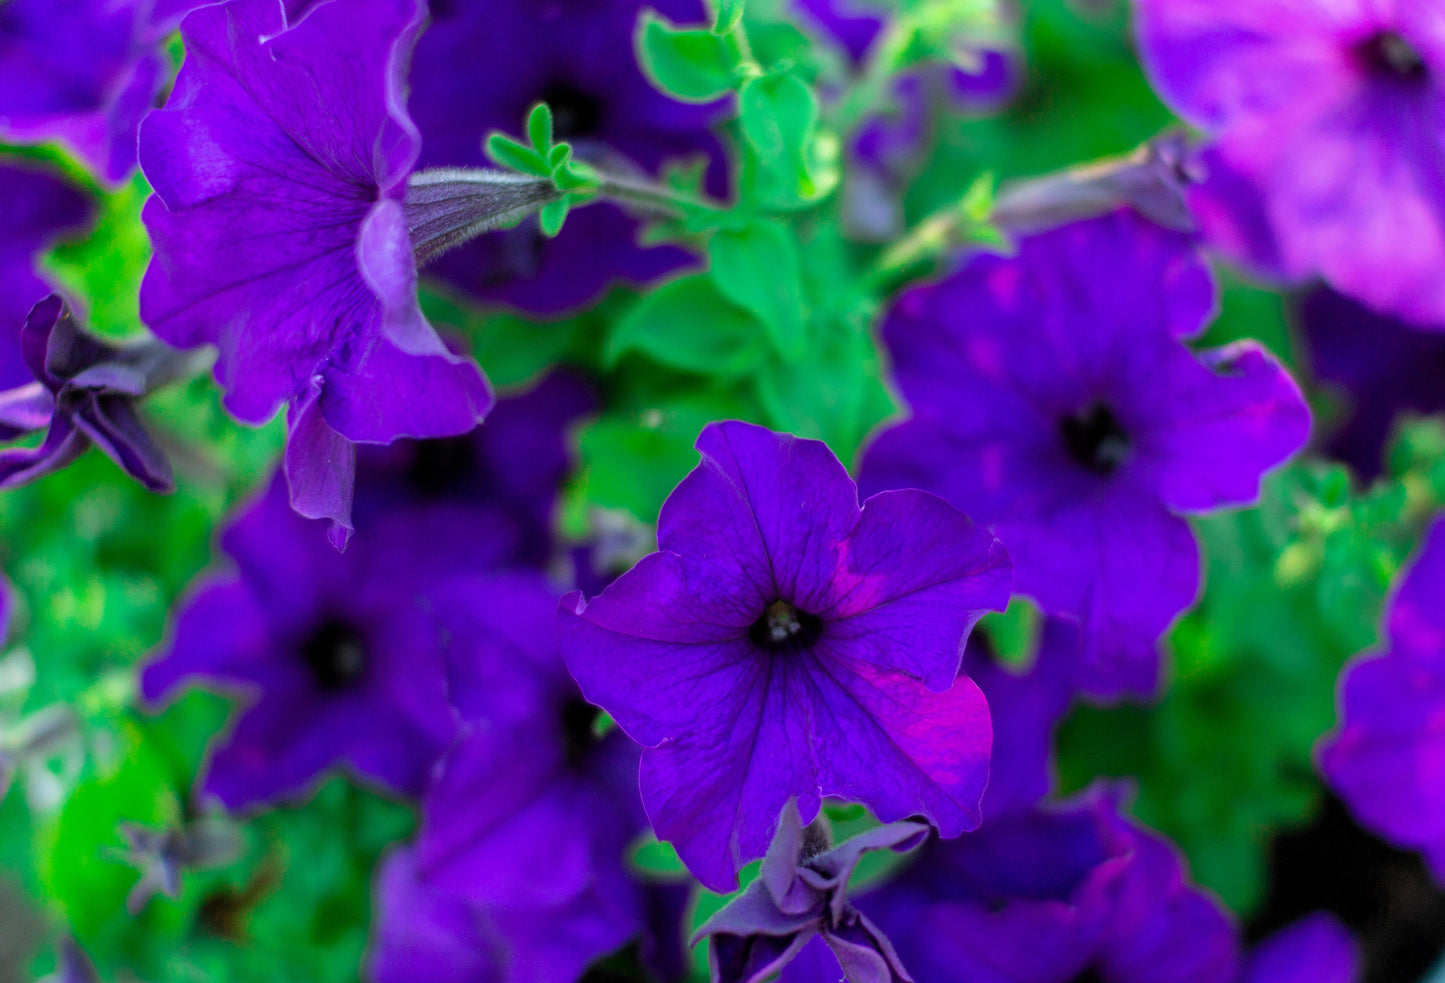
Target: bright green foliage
{"x": 689, "y": 324}
{"x": 691, "y": 64}
{"x": 1295, "y": 587}
{"x": 779, "y": 115}
{"x": 727, "y": 14}
{"x": 757, "y": 268}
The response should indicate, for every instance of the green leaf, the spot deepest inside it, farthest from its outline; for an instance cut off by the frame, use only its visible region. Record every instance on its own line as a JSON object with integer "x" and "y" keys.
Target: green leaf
{"x": 758, "y": 269}
{"x": 779, "y": 118}
{"x": 539, "y": 128}
{"x": 552, "y": 216}
{"x": 838, "y": 396}
{"x": 690, "y": 64}
{"x": 560, "y": 157}
{"x": 633, "y": 459}
{"x": 519, "y": 157}
{"x": 689, "y": 324}
{"x": 727, "y": 14}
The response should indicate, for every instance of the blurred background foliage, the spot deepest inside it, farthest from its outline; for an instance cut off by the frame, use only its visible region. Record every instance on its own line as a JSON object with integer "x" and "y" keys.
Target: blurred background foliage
{"x": 1222, "y": 763}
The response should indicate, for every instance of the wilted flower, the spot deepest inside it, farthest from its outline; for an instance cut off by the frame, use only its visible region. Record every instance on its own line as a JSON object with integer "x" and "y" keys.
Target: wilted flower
{"x": 38, "y": 208}
{"x": 84, "y": 72}
{"x": 1053, "y": 398}
{"x": 802, "y": 893}
{"x": 85, "y": 394}
{"x": 281, "y": 235}
{"x": 163, "y": 855}
{"x": 786, "y": 644}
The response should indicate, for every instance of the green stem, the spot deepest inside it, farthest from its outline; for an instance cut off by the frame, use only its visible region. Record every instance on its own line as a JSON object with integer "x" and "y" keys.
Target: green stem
{"x": 652, "y": 196}
{"x": 872, "y": 86}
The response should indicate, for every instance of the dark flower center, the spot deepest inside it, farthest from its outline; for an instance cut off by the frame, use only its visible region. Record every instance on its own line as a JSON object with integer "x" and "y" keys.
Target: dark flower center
{"x": 1089, "y": 975}
{"x": 782, "y": 627}
{"x": 1095, "y": 440}
{"x": 576, "y": 115}
{"x": 335, "y": 655}
{"x": 441, "y": 467}
{"x": 579, "y": 720}
{"x": 1389, "y": 54}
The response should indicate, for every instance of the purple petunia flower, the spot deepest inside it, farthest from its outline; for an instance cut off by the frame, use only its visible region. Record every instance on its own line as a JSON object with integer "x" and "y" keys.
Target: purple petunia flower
{"x": 38, "y": 208}
{"x": 515, "y": 465}
{"x": 1334, "y": 114}
{"x": 517, "y": 874}
{"x": 84, "y": 394}
{"x": 84, "y": 72}
{"x": 1055, "y": 895}
{"x": 1316, "y": 949}
{"x": 281, "y": 238}
{"x": 782, "y": 643}
{"x": 801, "y": 894}
{"x": 337, "y": 655}
{"x": 1382, "y": 366}
{"x": 1025, "y": 706}
{"x": 1387, "y": 761}
{"x": 1053, "y": 398}
{"x": 481, "y": 66}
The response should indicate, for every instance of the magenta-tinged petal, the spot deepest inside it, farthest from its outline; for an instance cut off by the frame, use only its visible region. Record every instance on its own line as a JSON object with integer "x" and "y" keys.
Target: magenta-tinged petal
{"x": 903, "y": 749}
{"x": 1330, "y": 113}
{"x": 770, "y": 651}
{"x": 960, "y": 572}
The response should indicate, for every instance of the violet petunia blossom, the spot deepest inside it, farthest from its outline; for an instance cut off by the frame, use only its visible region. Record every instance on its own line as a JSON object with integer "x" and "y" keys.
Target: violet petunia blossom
{"x": 1026, "y": 707}
{"x": 1333, "y": 111}
{"x": 481, "y": 66}
{"x": 85, "y": 72}
{"x": 801, "y": 894}
{"x": 514, "y": 466}
{"x": 281, "y": 237}
{"x": 1057, "y": 894}
{"x": 784, "y": 644}
{"x": 1315, "y": 949}
{"x": 517, "y": 874}
{"x": 1054, "y": 398}
{"x": 1382, "y": 368}
{"x": 1387, "y": 760}
{"x": 38, "y": 208}
{"x": 84, "y": 394}
{"x": 336, "y": 657}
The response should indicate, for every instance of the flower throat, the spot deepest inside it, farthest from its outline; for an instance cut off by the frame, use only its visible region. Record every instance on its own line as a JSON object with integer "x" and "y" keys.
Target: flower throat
{"x": 782, "y": 627}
